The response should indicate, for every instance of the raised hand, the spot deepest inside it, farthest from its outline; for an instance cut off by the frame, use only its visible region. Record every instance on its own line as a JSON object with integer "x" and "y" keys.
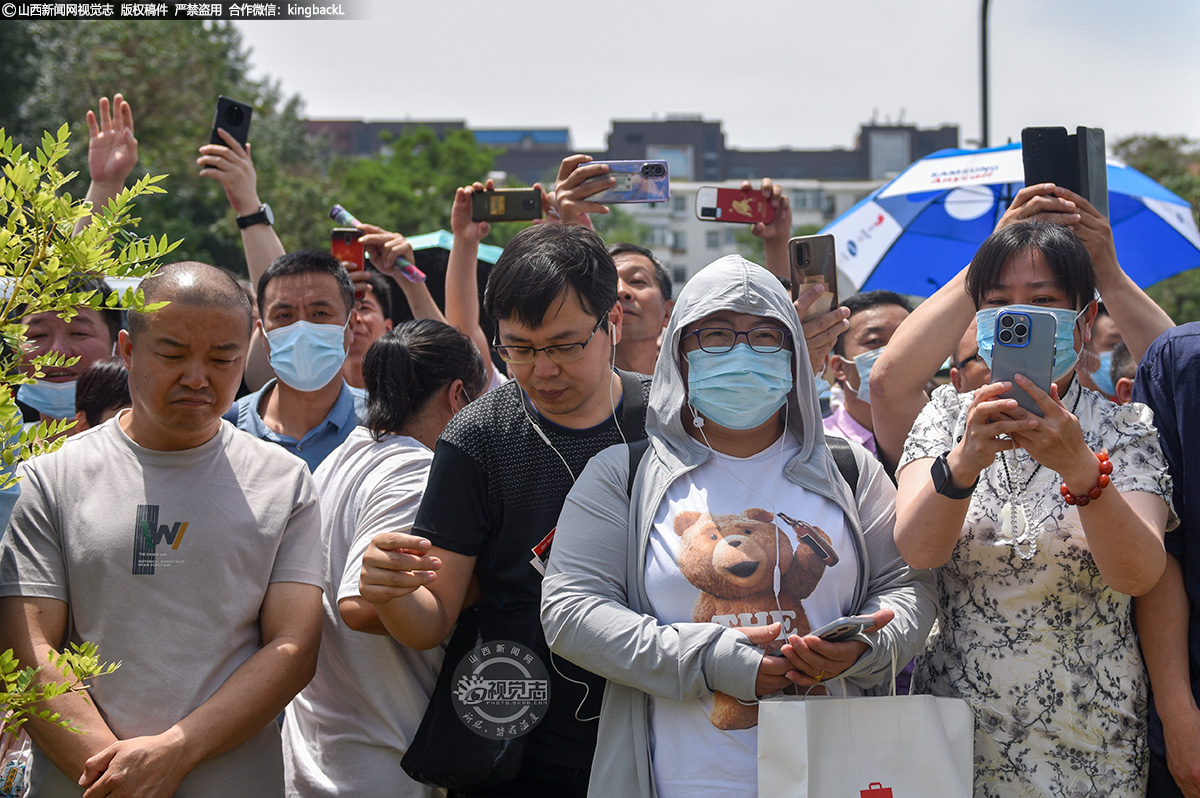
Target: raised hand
{"x": 112, "y": 148}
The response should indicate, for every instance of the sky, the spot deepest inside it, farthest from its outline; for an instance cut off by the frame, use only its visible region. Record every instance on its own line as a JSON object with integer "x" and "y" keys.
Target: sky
{"x": 785, "y": 73}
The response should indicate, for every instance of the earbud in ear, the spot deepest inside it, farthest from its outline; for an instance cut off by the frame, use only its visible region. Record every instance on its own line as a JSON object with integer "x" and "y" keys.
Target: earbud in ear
{"x": 697, "y": 421}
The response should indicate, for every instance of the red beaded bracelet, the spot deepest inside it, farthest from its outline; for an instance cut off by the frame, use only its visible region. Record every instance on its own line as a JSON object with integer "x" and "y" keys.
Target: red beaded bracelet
{"x": 1094, "y": 493}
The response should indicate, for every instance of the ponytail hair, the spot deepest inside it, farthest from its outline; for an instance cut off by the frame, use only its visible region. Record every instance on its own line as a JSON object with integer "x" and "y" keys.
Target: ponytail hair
{"x": 405, "y": 367}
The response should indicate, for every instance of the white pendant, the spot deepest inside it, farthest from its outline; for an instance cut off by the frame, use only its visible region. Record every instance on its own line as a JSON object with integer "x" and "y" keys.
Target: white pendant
{"x": 1013, "y": 522}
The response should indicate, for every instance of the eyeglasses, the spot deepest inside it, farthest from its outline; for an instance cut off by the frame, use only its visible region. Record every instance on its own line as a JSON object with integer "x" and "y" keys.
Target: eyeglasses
{"x": 719, "y": 340}
{"x": 965, "y": 361}
{"x": 558, "y": 353}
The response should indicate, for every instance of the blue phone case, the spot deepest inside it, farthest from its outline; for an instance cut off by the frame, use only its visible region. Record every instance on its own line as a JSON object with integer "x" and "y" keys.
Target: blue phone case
{"x": 1024, "y": 344}
{"x": 637, "y": 181}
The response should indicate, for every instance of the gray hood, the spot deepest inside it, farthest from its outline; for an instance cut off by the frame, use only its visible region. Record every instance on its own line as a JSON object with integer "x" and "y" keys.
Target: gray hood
{"x": 734, "y": 283}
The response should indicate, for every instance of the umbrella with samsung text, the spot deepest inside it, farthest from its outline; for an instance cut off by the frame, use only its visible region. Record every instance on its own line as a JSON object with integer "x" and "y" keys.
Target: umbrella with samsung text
{"x": 916, "y": 232}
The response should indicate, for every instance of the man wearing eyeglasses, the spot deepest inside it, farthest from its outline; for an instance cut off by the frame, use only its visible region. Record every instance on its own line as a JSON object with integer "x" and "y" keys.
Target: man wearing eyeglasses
{"x": 500, "y": 473}
{"x": 967, "y": 369}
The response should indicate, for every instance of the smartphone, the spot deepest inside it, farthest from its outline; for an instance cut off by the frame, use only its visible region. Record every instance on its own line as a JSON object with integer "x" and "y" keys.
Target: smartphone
{"x": 1024, "y": 344}
{"x": 844, "y": 628}
{"x": 506, "y": 205}
{"x": 733, "y": 205}
{"x": 346, "y": 247}
{"x": 1076, "y": 161}
{"x": 814, "y": 260}
{"x": 235, "y": 118}
{"x": 637, "y": 181}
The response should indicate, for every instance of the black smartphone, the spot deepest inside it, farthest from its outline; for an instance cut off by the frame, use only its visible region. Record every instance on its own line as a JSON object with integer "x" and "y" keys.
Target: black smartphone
{"x": 1076, "y": 161}
{"x": 1024, "y": 344}
{"x": 234, "y": 117}
{"x": 506, "y": 205}
{"x": 814, "y": 260}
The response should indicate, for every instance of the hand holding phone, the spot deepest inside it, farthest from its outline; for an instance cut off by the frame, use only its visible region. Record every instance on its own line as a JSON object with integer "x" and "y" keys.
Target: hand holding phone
{"x": 844, "y": 628}
{"x": 634, "y": 181}
{"x": 813, "y": 260}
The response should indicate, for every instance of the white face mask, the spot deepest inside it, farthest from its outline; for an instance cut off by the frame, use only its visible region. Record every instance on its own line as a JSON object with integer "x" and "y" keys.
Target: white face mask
{"x": 863, "y": 365}
{"x": 51, "y": 399}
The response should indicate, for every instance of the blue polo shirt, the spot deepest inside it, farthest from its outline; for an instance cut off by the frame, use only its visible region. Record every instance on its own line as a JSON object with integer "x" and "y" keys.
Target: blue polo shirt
{"x": 319, "y": 441}
{"x": 1168, "y": 381}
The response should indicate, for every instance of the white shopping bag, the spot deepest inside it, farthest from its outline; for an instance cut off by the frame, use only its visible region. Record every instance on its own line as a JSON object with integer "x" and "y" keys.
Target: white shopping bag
{"x": 866, "y": 747}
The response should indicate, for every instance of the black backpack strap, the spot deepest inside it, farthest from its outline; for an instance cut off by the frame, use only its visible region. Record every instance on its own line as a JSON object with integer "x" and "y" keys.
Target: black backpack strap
{"x": 633, "y": 400}
{"x": 843, "y": 455}
{"x": 636, "y": 450}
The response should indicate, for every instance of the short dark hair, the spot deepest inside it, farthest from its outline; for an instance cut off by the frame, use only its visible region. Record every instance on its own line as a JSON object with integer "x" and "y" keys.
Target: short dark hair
{"x": 1123, "y": 364}
{"x": 103, "y": 386}
{"x": 306, "y": 261}
{"x": 192, "y": 282}
{"x": 404, "y": 367}
{"x": 660, "y": 271}
{"x": 869, "y": 299}
{"x": 1065, "y": 254}
{"x": 540, "y": 264}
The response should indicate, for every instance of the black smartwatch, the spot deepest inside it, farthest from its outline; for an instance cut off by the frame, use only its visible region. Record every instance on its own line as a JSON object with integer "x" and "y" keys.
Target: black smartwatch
{"x": 943, "y": 484}
{"x": 262, "y": 216}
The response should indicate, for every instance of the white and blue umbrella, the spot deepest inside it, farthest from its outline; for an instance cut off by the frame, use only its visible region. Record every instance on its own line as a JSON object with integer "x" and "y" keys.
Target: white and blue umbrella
{"x": 916, "y": 232}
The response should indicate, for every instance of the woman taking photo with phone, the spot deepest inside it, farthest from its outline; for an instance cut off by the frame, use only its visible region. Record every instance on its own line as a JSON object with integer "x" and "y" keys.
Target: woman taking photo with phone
{"x": 693, "y": 587}
{"x": 1041, "y": 527}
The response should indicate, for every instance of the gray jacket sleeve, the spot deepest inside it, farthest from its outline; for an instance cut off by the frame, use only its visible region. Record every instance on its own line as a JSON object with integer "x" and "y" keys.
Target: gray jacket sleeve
{"x": 891, "y": 583}
{"x": 592, "y": 583}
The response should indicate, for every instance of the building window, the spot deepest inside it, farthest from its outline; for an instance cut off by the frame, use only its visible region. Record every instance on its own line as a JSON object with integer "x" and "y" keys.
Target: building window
{"x": 679, "y": 274}
{"x": 712, "y": 239}
{"x": 678, "y": 241}
{"x": 730, "y": 237}
{"x": 680, "y": 203}
{"x": 809, "y": 199}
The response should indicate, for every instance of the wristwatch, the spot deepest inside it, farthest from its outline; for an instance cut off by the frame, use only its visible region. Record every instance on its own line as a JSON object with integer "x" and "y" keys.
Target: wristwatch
{"x": 943, "y": 484}
{"x": 262, "y": 216}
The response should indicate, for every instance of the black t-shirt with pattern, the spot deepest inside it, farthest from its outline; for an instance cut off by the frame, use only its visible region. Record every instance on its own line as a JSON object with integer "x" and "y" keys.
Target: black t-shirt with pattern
{"x": 495, "y": 492}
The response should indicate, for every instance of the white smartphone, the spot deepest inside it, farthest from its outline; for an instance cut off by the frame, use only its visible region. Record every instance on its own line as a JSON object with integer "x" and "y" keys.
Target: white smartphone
{"x": 844, "y": 628}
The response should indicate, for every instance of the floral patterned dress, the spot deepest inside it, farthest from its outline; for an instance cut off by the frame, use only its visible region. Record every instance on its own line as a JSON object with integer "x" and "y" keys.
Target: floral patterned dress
{"x": 1042, "y": 649}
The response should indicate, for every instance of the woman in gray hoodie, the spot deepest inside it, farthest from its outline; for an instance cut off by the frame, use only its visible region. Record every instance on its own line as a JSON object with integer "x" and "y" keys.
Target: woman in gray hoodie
{"x": 693, "y": 588}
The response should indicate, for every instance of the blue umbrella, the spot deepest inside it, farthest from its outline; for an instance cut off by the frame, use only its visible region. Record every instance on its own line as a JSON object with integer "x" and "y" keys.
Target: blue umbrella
{"x": 916, "y": 232}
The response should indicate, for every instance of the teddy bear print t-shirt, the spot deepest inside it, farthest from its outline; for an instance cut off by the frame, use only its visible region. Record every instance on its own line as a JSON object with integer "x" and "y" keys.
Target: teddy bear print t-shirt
{"x": 738, "y": 544}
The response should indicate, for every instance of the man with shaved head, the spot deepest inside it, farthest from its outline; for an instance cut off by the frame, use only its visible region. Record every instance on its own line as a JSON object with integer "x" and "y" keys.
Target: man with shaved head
{"x": 185, "y": 549}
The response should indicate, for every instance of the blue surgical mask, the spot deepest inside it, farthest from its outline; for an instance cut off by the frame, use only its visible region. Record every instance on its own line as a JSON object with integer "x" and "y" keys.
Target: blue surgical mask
{"x": 863, "y": 365}
{"x": 307, "y": 356}
{"x": 51, "y": 399}
{"x": 1065, "y": 353}
{"x": 1103, "y": 375}
{"x": 741, "y": 388}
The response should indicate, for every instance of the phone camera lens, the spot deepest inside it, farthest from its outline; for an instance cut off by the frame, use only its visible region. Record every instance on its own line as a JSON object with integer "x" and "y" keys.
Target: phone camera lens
{"x": 1005, "y": 336}
{"x": 528, "y": 204}
{"x": 1021, "y": 330}
{"x": 1006, "y": 321}
{"x": 234, "y": 115}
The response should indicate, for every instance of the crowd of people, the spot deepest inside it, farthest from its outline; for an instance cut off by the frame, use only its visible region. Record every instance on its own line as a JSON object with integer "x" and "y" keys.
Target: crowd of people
{"x": 306, "y": 528}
